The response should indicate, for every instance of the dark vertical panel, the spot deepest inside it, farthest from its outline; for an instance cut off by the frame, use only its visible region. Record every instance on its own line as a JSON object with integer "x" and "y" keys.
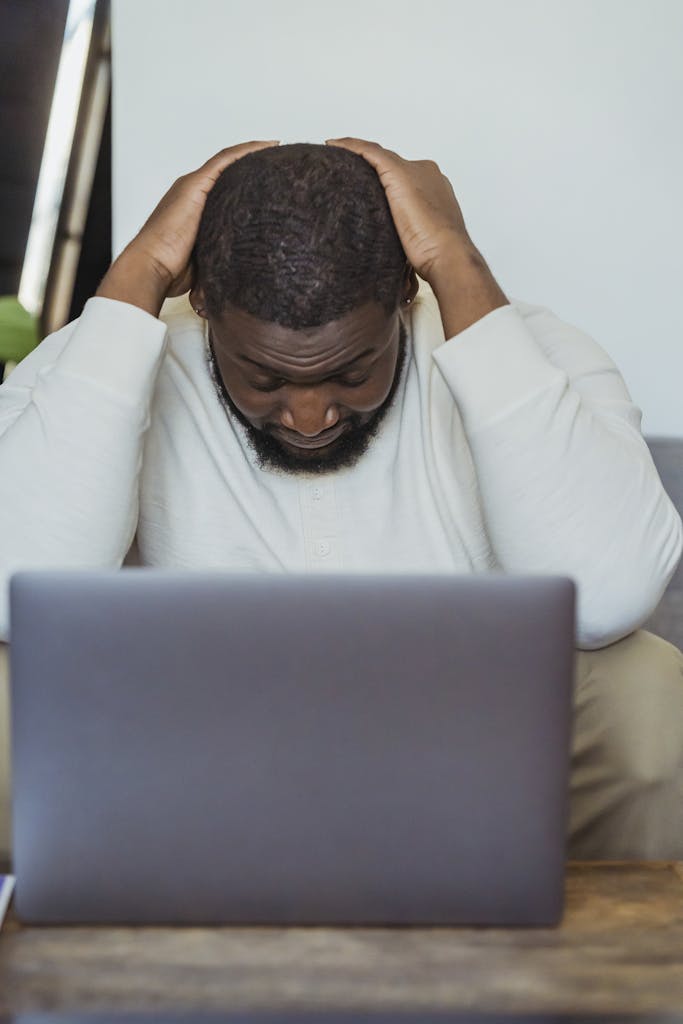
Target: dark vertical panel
{"x": 31, "y": 33}
{"x": 96, "y": 247}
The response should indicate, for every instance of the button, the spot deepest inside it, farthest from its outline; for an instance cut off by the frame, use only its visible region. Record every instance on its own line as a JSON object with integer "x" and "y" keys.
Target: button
{"x": 317, "y": 493}
{"x": 322, "y": 548}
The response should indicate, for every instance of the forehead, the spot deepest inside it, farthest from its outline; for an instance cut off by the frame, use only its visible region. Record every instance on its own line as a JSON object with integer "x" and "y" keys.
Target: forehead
{"x": 243, "y": 336}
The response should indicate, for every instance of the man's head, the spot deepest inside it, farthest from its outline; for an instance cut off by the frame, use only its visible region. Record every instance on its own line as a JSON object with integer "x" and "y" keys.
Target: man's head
{"x": 301, "y": 275}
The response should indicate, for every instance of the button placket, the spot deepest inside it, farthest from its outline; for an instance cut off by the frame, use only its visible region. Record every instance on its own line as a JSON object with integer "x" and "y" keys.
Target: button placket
{"x": 321, "y": 525}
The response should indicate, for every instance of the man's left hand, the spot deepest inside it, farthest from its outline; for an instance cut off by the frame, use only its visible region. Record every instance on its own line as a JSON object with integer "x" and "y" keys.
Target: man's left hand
{"x": 432, "y": 231}
{"x": 425, "y": 211}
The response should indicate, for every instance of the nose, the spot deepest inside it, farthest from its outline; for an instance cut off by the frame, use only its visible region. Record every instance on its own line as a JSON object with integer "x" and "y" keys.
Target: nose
{"x": 309, "y": 412}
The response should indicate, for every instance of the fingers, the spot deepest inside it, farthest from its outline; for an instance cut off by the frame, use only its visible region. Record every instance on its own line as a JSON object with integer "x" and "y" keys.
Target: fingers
{"x": 377, "y": 156}
{"x": 216, "y": 164}
{"x": 226, "y": 156}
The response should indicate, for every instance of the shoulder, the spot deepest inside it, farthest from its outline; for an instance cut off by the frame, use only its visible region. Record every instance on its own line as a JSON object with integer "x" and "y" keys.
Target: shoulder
{"x": 40, "y": 359}
{"x": 185, "y": 331}
{"x": 425, "y": 319}
{"x": 563, "y": 344}
{"x": 179, "y": 316}
{"x": 428, "y": 327}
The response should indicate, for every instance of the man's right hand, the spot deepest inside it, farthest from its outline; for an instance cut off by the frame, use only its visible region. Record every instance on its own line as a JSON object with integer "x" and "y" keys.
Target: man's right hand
{"x": 156, "y": 264}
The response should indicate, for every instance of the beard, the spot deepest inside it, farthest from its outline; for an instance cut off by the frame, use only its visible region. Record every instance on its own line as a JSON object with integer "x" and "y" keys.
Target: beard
{"x": 342, "y": 453}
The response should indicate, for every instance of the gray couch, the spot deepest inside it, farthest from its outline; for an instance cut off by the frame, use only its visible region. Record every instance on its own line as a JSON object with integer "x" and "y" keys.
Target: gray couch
{"x": 667, "y": 620}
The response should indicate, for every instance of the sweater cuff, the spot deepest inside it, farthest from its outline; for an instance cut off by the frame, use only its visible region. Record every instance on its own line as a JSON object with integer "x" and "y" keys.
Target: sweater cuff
{"x": 116, "y": 346}
{"x": 494, "y": 366}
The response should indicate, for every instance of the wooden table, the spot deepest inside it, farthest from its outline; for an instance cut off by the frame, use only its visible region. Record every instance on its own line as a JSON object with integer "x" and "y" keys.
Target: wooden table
{"x": 619, "y": 949}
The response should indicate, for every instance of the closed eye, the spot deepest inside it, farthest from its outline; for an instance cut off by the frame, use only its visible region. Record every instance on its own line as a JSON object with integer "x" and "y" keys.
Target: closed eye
{"x": 346, "y": 382}
{"x": 267, "y": 387}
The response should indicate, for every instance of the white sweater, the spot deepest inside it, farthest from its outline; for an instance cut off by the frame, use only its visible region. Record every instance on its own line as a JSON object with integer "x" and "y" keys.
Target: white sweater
{"x": 512, "y": 446}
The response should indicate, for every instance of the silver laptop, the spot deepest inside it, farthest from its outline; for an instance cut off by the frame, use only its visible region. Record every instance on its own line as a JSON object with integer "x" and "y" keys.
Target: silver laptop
{"x": 217, "y": 748}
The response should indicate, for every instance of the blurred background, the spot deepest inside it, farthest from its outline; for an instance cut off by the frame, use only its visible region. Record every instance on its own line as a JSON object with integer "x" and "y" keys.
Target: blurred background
{"x": 55, "y": 173}
{"x": 558, "y": 123}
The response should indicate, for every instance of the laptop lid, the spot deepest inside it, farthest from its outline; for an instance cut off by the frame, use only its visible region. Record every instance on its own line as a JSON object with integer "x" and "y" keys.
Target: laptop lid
{"x": 207, "y": 747}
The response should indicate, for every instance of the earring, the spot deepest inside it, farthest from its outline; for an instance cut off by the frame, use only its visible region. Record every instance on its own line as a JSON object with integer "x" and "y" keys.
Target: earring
{"x": 407, "y": 301}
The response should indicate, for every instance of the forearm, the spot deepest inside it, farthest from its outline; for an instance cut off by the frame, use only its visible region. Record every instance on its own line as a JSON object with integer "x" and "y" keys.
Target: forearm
{"x": 140, "y": 281}
{"x": 464, "y": 287}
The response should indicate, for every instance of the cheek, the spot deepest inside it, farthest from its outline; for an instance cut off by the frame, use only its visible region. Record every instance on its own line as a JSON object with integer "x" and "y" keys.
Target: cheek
{"x": 370, "y": 396}
{"x": 256, "y": 406}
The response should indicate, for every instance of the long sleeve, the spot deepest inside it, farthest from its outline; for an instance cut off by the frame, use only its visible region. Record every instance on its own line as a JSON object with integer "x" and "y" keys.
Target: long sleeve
{"x": 566, "y": 479}
{"x": 73, "y": 417}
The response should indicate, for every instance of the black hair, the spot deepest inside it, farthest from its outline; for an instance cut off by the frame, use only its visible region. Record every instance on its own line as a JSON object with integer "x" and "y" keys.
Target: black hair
{"x": 299, "y": 235}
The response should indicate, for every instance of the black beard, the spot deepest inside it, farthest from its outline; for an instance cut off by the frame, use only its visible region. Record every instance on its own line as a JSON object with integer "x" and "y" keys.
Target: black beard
{"x": 340, "y": 454}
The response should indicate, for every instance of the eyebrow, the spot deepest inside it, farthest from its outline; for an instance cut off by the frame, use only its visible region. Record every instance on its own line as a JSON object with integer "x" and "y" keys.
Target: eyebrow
{"x": 340, "y": 369}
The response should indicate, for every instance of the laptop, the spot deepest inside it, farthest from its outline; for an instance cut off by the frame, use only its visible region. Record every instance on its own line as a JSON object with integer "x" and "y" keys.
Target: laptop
{"x": 325, "y": 1016}
{"x": 206, "y": 747}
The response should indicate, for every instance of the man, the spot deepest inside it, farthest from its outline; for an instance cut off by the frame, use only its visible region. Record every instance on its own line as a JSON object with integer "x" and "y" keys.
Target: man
{"x": 349, "y": 389}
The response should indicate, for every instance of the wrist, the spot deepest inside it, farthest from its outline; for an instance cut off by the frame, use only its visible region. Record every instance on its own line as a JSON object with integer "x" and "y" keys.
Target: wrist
{"x": 136, "y": 279}
{"x": 464, "y": 287}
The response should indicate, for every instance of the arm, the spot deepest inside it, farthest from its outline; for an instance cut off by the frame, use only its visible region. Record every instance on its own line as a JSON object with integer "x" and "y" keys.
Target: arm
{"x": 567, "y": 482}
{"x": 74, "y": 414}
{"x": 72, "y": 421}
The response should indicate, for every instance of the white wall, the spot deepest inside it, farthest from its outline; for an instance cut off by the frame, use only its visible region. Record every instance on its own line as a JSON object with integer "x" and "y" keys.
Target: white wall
{"x": 558, "y": 122}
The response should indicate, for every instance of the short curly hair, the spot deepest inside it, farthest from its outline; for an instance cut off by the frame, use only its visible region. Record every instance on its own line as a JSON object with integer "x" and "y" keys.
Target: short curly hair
{"x": 299, "y": 235}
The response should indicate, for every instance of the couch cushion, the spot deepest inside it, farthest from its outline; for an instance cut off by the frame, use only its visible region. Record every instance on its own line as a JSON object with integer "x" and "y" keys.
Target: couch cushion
{"x": 667, "y": 620}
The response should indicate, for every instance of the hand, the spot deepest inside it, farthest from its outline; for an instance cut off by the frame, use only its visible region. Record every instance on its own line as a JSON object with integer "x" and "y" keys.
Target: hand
{"x": 426, "y": 213}
{"x": 156, "y": 264}
{"x": 432, "y": 231}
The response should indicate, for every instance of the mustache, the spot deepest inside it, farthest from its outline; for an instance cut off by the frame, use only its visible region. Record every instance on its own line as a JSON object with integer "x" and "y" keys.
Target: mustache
{"x": 352, "y": 423}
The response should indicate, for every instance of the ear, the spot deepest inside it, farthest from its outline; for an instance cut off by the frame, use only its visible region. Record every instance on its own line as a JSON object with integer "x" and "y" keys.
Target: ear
{"x": 197, "y": 302}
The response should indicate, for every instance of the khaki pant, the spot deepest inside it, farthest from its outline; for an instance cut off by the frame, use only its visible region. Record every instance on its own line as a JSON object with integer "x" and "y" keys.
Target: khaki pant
{"x": 627, "y": 760}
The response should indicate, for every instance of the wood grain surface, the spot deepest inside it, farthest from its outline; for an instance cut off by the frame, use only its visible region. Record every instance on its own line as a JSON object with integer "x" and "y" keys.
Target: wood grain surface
{"x": 619, "y": 949}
